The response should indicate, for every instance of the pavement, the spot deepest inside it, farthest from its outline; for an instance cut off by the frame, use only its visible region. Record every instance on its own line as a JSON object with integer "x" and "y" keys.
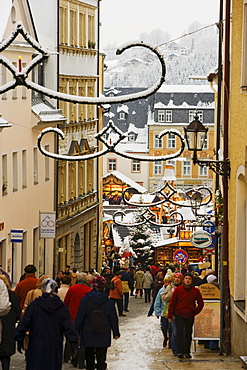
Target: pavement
{"x": 140, "y": 347}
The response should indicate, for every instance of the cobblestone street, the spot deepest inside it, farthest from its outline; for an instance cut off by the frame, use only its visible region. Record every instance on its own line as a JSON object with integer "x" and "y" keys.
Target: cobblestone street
{"x": 140, "y": 347}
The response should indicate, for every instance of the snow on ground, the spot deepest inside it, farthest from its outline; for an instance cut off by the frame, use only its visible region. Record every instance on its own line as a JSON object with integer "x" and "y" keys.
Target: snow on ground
{"x": 140, "y": 335}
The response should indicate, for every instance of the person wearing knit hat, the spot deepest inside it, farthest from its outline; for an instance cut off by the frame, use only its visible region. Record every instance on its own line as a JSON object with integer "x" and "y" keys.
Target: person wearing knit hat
{"x": 97, "y": 341}
{"x": 47, "y": 319}
{"x": 211, "y": 278}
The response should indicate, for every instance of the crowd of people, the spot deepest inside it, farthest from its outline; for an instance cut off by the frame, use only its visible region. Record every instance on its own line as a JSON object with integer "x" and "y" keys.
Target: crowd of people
{"x": 82, "y": 307}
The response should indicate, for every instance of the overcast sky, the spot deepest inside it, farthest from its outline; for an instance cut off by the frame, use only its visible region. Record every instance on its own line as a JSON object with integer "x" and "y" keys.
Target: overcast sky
{"x": 124, "y": 20}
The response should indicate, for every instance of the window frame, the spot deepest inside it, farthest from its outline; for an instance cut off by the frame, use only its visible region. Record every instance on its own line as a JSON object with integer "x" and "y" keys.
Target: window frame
{"x": 157, "y": 168}
{"x": 161, "y": 115}
{"x": 171, "y": 142}
{"x": 157, "y": 142}
{"x": 185, "y": 172}
{"x": 136, "y": 166}
{"x": 111, "y": 162}
{"x": 168, "y": 115}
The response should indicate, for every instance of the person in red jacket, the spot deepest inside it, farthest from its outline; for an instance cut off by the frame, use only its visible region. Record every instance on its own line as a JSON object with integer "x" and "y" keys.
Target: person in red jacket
{"x": 186, "y": 302}
{"x": 24, "y": 286}
{"x": 72, "y": 300}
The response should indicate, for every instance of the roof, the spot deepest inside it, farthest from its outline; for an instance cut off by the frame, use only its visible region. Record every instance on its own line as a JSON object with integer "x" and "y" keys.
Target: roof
{"x": 126, "y": 180}
{"x": 46, "y": 112}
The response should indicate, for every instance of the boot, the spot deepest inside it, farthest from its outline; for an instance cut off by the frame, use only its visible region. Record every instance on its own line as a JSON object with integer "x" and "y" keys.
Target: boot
{"x": 165, "y": 341}
{"x": 169, "y": 342}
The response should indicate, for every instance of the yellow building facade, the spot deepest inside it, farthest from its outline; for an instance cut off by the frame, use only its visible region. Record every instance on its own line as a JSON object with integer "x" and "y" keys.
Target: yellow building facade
{"x": 237, "y": 182}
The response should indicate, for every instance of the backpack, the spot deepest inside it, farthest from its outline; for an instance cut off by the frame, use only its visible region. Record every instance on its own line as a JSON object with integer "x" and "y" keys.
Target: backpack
{"x": 5, "y": 304}
{"x": 98, "y": 322}
{"x": 112, "y": 285}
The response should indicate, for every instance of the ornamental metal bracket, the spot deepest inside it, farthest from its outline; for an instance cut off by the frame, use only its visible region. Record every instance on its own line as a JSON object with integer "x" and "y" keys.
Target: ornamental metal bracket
{"x": 20, "y": 76}
{"x": 148, "y": 216}
{"x": 110, "y": 146}
{"x": 221, "y": 168}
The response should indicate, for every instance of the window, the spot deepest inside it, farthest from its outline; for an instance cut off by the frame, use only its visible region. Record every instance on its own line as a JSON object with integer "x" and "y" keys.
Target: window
{"x": 168, "y": 116}
{"x": 136, "y": 166}
{"x": 187, "y": 168}
{"x": 171, "y": 141}
{"x": 4, "y": 175}
{"x": 203, "y": 171}
{"x": 15, "y": 171}
{"x": 47, "y": 165}
{"x": 157, "y": 167}
{"x": 157, "y": 142}
{"x": 205, "y": 145}
{"x": 121, "y": 115}
{"x": 35, "y": 166}
{"x": 112, "y": 164}
{"x": 161, "y": 116}
{"x": 131, "y": 137}
{"x": 24, "y": 169}
{"x": 4, "y": 80}
{"x": 192, "y": 115}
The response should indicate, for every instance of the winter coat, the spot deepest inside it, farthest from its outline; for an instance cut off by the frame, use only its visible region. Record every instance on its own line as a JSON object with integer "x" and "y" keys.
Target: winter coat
{"x": 31, "y": 295}
{"x": 138, "y": 279}
{"x": 147, "y": 280}
{"x": 62, "y": 291}
{"x": 73, "y": 298}
{"x": 84, "y": 315}
{"x": 157, "y": 285}
{"x": 5, "y": 305}
{"x": 73, "y": 277}
{"x": 126, "y": 282}
{"x": 22, "y": 288}
{"x": 7, "y": 346}
{"x": 48, "y": 320}
{"x": 117, "y": 292}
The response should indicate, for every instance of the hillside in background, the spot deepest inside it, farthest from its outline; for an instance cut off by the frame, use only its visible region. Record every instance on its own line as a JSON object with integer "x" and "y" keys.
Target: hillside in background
{"x": 193, "y": 55}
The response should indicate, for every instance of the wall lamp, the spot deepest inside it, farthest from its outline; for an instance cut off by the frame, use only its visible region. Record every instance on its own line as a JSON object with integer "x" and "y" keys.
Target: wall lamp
{"x": 195, "y": 135}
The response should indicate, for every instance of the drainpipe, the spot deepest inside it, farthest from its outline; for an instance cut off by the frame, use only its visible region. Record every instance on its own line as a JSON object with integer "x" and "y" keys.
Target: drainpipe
{"x": 225, "y": 244}
{"x": 56, "y": 151}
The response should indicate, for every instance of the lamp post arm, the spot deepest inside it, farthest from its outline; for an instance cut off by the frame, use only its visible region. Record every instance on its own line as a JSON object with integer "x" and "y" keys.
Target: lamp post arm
{"x": 222, "y": 168}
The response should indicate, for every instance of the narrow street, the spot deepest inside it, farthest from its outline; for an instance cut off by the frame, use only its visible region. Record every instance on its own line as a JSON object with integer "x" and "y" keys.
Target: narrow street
{"x": 140, "y": 347}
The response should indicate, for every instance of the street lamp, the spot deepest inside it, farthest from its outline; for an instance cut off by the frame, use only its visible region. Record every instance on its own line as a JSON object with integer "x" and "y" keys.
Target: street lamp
{"x": 196, "y": 200}
{"x": 195, "y": 135}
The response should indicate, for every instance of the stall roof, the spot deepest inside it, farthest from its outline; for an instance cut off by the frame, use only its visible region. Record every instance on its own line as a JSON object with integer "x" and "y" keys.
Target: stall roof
{"x": 126, "y": 180}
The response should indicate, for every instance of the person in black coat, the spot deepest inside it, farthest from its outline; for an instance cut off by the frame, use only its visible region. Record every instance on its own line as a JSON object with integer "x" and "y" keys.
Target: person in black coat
{"x": 7, "y": 345}
{"x": 47, "y": 319}
{"x": 96, "y": 343}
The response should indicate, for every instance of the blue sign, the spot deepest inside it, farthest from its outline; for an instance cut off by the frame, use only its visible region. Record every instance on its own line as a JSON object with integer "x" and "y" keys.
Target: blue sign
{"x": 209, "y": 226}
{"x": 16, "y": 236}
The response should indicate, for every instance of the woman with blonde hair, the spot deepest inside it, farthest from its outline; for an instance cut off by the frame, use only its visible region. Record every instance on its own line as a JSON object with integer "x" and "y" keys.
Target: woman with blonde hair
{"x": 7, "y": 344}
{"x": 34, "y": 293}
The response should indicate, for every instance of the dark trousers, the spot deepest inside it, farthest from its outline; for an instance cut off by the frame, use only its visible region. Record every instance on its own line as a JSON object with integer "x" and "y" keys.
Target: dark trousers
{"x": 147, "y": 293}
{"x": 125, "y": 301}
{"x": 119, "y": 303}
{"x": 5, "y": 360}
{"x": 184, "y": 327}
{"x": 80, "y": 357}
{"x": 100, "y": 354}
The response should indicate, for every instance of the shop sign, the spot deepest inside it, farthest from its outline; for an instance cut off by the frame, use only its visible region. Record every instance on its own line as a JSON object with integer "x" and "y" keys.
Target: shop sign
{"x": 47, "y": 224}
{"x": 201, "y": 239}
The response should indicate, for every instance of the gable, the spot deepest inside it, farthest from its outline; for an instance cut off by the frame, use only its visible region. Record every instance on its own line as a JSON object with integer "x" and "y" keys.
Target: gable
{"x": 18, "y": 11}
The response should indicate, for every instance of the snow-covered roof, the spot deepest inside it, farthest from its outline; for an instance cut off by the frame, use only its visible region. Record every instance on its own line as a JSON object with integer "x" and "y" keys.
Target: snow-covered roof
{"x": 164, "y": 242}
{"x": 47, "y": 114}
{"x": 185, "y": 88}
{"x": 143, "y": 198}
{"x": 123, "y": 108}
{"x": 127, "y": 181}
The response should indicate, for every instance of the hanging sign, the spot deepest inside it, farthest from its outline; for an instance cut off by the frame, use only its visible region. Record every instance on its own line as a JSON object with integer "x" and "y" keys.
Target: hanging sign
{"x": 201, "y": 239}
{"x": 47, "y": 225}
{"x": 16, "y": 235}
{"x": 209, "y": 226}
{"x": 180, "y": 256}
